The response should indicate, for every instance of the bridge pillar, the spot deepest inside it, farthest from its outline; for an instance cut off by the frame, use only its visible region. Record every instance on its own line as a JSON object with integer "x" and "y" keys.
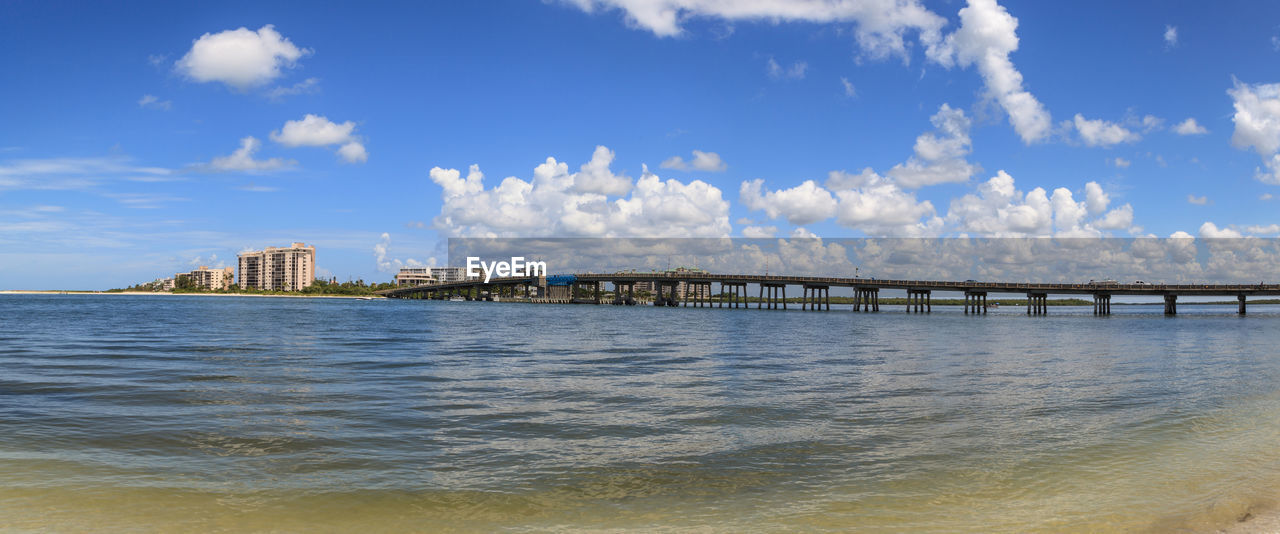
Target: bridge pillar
{"x": 975, "y": 301}
{"x": 1170, "y": 304}
{"x": 1241, "y": 299}
{"x": 1037, "y": 304}
{"x": 866, "y": 299}
{"x": 1101, "y": 304}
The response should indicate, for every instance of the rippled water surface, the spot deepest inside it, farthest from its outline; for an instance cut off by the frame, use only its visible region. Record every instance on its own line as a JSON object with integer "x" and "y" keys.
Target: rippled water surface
{"x": 232, "y": 413}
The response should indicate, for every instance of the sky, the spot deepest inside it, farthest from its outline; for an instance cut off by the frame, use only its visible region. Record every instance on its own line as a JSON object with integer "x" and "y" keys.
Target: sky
{"x": 148, "y": 138}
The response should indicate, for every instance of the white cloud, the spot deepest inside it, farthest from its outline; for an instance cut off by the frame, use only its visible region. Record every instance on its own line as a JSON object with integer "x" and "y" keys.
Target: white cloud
{"x": 595, "y": 176}
{"x": 1120, "y": 162}
{"x": 1149, "y": 123}
{"x": 551, "y": 204}
{"x": 778, "y": 72}
{"x": 1189, "y": 127}
{"x": 986, "y": 37}
{"x": 1266, "y": 196}
{"x": 353, "y": 152}
{"x": 1199, "y": 201}
{"x": 1095, "y": 198}
{"x": 242, "y": 159}
{"x": 154, "y": 102}
{"x": 849, "y": 90}
{"x": 1116, "y": 219}
{"x": 800, "y": 232}
{"x": 1211, "y": 231}
{"x": 806, "y": 203}
{"x": 1102, "y": 133}
{"x": 240, "y": 58}
{"x": 939, "y": 155}
{"x": 254, "y": 188}
{"x": 315, "y": 130}
{"x": 1257, "y": 121}
{"x": 880, "y": 31}
{"x": 1000, "y": 210}
{"x": 877, "y": 206}
{"x": 1259, "y": 229}
{"x": 387, "y": 264}
{"x": 757, "y": 232}
{"x": 307, "y": 86}
{"x": 702, "y": 161}
{"x": 1170, "y": 36}
{"x": 144, "y": 200}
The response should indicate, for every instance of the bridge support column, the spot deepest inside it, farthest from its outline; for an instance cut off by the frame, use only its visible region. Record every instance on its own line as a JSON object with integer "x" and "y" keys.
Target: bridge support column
{"x": 1170, "y": 304}
{"x": 1241, "y": 299}
{"x": 975, "y": 301}
{"x": 1037, "y": 304}
{"x": 597, "y": 293}
{"x": 1101, "y": 304}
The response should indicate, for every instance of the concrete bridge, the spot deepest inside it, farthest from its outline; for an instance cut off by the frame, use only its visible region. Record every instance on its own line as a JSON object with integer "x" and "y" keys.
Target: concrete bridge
{"x": 815, "y": 291}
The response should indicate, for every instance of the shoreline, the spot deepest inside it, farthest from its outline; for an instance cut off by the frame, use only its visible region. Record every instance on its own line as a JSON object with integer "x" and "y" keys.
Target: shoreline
{"x": 167, "y": 294}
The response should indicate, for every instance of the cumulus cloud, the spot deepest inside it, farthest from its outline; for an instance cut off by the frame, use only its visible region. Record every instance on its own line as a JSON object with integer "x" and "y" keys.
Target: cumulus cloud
{"x": 1098, "y": 132}
{"x": 1257, "y": 121}
{"x": 553, "y": 204}
{"x": 986, "y": 37}
{"x": 1199, "y": 201}
{"x": 795, "y": 72}
{"x": 702, "y": 161}
{"x": 939, "y": 156}
{"x": 240, "y": 58}
{"x": 999, "y": 209}
{"x": 388, "y": 264}
{"x": 1189, "y": 127}
{"x": 1211, "y": 231}
{"x": 154, "y": 102}
{"x": 242, "y": 159}
{"x": 876, "y": 205}
{"x": 1121, "y": 163}
{"x": 1170, "y": 36}
{"x": 880, "y": 30}
{"x": 595, "y": 176}
{"x": 806, "y": 203}
{"x": 315, "y": 130}
{"x": 1259, "y": 229}
{"x": 1095, "y": 198}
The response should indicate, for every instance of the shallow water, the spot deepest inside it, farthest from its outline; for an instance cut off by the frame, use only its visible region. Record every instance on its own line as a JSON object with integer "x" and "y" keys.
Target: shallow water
{"x": 198, "y": 413}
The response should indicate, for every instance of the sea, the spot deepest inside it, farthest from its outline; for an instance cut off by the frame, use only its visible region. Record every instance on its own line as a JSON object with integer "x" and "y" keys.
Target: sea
{"x": 228, "y": 414}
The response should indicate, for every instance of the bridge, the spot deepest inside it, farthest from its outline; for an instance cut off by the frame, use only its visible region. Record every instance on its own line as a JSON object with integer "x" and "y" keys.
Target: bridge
{"x": 694, "y": 289}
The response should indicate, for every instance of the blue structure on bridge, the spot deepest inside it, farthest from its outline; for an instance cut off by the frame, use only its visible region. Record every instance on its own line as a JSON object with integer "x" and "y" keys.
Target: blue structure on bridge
{"x": 561, "y": 280}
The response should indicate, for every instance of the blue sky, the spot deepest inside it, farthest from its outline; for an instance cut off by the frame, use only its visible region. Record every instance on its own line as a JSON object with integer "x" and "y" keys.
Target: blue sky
{"x": 125, "y": 152}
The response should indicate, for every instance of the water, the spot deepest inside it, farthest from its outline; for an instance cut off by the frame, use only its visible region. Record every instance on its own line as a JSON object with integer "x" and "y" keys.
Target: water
{"x": 154, "y": 413}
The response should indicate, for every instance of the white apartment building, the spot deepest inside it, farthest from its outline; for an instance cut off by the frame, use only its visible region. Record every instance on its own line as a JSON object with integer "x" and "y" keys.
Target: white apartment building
{"x": 414, "y": 276}
{"x": 206, "y": 278}
{"x": 444, "y": 275}
{"x": 278, "y": 268}
{"x": 417, "y": 276}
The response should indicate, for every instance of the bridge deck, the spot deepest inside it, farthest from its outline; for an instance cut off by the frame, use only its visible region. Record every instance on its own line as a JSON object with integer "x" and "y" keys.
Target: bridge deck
{"x": 873, "y": 283}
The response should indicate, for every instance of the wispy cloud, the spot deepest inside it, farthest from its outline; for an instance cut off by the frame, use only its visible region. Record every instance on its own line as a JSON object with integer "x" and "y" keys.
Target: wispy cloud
{"x": 795, "y": 72}
{"x": 307, "y": 86}
{"x": 154, "y": 102}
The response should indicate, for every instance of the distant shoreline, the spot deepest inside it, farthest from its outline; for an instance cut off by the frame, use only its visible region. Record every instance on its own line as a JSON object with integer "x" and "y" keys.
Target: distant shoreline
{"x": 167, "y": 294}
